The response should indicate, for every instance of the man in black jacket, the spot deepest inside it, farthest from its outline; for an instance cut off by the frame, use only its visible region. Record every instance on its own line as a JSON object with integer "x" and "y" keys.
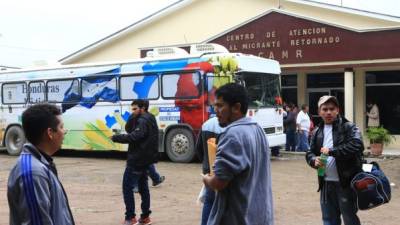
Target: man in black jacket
{"x": 142, "y": 152}
{"x": 130, "y": 125}
{"x": 341, "y": 141}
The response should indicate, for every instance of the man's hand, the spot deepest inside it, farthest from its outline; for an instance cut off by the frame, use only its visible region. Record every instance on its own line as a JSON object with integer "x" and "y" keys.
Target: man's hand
{"x": 113, "y": 138}
{"x": 318, "y": 162}
{"x": 207, "y": 178}
{"x": 300, "y": 131}
{"x": 213, "y": 182}
{"x": 325, "y": 150}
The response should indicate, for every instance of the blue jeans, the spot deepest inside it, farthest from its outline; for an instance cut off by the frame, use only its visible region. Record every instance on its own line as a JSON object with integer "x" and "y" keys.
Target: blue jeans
{"x": 208, "y": 203}
{"x": 153, "y": 174}
{"x": 336, "y": 201}
{"x": 302, "y": 144}
{"x": 135, "y": 177}
{"x": 291, "y": 140}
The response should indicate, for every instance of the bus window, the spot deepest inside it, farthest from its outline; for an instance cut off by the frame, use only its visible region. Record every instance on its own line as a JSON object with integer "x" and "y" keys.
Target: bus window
{"x": 63, "y": 90}
{"x": 181, "y": 85}
{"x": 103, "y": 88}
{"x": 14, "y": 93}
{"x": 263, "y": 89}
{"x": 36, "y": 92}
{"x": 139, "y": 87}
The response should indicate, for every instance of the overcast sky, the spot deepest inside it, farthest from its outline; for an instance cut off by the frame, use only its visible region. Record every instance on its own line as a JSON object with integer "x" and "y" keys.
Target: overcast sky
{"x": 47, "y": 30}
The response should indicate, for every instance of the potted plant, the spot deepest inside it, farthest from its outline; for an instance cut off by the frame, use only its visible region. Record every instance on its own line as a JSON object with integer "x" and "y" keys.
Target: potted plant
{"x": 378, "y": 136}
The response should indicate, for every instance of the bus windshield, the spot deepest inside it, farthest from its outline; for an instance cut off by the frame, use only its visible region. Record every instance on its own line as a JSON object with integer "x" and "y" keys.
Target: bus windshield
{"x": 264, "y": 89}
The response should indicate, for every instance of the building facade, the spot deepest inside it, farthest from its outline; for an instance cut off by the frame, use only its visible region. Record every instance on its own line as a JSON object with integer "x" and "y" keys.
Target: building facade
{"x": 322, "y": 49}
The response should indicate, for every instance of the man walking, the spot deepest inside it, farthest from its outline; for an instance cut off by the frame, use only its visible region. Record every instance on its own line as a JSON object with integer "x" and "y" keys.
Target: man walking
{"x": 340, "y": 140}
{"x": 142, "y": 152}
{"x": 35, "y": 194}
{"x": 242, "y": 172}
{"x": 156, "y": 178}
{"x": 303, "y": 123}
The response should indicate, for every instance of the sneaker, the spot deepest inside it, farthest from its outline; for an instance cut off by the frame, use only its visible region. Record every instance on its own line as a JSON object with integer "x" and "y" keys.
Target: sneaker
{"x": 144, "y": 221}
{"x": 162, "y": 178}
{"x": 132, "y": 221}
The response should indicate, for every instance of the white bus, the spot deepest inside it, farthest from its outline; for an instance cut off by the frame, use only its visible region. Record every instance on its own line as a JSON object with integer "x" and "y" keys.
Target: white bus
{"x": 95, "y": 98}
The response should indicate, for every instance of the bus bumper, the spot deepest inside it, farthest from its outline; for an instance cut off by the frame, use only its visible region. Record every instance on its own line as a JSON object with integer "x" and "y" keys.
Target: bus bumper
{"x": 276, "y": 140}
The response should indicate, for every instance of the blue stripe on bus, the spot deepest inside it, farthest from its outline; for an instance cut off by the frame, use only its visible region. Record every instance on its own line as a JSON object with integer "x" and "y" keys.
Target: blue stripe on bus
{"x": 30, "y": 189}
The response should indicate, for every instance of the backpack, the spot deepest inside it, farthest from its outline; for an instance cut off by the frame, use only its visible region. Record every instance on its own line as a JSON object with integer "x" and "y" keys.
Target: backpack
{"x": 372, "y": 189}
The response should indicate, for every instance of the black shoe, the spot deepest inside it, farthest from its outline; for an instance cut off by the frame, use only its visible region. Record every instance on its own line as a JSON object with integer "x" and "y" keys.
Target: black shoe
{"x": 155, "y": 184}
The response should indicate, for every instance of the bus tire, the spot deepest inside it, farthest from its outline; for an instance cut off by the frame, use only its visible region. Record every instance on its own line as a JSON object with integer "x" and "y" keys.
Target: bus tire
{"x": 180, "y": 145}
{"x": 14, "y": 140}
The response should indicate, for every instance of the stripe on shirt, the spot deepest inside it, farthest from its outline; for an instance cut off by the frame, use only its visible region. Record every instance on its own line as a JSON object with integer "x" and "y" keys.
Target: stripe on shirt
{"x": 29, "y": 189}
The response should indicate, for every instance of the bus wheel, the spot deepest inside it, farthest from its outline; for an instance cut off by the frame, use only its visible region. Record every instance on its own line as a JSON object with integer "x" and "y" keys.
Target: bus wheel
{"x": 15, "y": 139}
{"x": 180, "y": 145}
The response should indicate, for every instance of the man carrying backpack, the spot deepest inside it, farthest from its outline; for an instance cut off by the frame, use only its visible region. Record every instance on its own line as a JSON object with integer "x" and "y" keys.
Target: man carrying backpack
{"x": 341, "y": 141}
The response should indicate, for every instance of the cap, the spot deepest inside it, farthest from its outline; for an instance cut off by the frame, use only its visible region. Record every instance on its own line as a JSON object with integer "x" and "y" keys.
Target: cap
{"x": 327, "y": 98}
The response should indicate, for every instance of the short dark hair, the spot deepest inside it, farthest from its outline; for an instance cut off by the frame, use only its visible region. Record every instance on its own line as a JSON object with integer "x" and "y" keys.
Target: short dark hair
{"x": 37, "y": 119}
{"x": 304, "y": 106}
{"x": 139, "y": 102}
{"x": 146, "y": 105}
{"x": 233, "y": 93}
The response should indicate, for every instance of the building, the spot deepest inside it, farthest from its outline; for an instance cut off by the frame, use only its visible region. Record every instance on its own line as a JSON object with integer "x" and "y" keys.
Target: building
{"x": 323, "y": 49}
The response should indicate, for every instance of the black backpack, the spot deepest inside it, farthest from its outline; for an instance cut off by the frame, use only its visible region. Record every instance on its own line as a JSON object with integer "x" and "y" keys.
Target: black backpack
{"x": 372, "y": 189}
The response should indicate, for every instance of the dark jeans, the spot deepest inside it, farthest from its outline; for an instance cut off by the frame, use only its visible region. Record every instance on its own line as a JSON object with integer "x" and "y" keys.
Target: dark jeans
{"x": 336, "y": 201}
{"x": 291, "y": 140}
{"x": 208, "y": 203}
{"x": 153, "y": 174}
{"x": 302, "y": 141}
{"x": 135, "y": 177}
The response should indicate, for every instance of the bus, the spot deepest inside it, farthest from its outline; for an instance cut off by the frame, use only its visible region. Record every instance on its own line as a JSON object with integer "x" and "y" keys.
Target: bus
{"x": 95, "y": 98}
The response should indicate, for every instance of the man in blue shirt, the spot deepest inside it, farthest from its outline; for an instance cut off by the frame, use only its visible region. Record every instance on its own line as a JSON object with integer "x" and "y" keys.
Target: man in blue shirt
{"x": 242, "y": 174}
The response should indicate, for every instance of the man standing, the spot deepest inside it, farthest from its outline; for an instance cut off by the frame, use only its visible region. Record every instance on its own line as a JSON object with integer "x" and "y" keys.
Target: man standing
{"x": 209, "y": 129}
{"x": 341, "y": 141}
{"x": 142, "y": 152}
{"x": 373, "y": 114}
{"x": 35, "y": 194}
{"x": 303, "y": 123}
{"x": 290, "y": 128}
{"x": 242, "y": 174}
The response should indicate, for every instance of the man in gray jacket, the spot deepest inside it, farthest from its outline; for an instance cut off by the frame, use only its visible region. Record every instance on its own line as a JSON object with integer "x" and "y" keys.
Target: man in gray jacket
{"x": 35, "y": 194}
{"x": 242, "y": 165}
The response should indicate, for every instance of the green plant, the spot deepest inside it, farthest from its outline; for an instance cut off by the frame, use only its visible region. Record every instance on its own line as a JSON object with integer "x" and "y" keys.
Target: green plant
{"x": 379, "y": 135}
